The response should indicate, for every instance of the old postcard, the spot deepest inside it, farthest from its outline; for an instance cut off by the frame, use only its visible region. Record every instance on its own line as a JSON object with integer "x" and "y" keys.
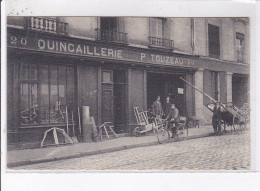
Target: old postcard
{"x": 128, "y": 93}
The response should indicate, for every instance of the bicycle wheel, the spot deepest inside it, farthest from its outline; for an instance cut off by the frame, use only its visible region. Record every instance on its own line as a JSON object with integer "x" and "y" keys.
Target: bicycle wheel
{"x": 163, "y": 135}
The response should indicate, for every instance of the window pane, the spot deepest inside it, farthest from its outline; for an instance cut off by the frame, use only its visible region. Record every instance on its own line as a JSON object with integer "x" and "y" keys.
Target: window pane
{"x": 28, "y": 103}
{"x": 106, "y": 77}
{"x": 33, "y": 73}
{"x": 153, "y": 27}
{"x": 159, "y": 28}
{"x": 70, "y": 88}
{"x": 45, "y": 95}
{"x": 24, "y": 71}
{"x": 214, "y": 44}
{"x": 62, "y": 93}
{"x": 34, "y": 103}
{"x": 24, "y": 103}
{"x": 54, "y": 105}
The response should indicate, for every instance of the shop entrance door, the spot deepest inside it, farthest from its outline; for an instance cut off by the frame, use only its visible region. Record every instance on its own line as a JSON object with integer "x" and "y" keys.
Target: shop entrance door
{"x": 163, "y": 85}
{"x": 107, "y": 96}
{"x": 119, "y": 77}
{"x": 176, "y": 91}
{"x": 240, "y": 90}
{"x": 113, "y": 98}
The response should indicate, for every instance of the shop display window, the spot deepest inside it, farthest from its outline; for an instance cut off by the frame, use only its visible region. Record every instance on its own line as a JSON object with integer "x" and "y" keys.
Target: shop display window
{"x": 45, "y": 92}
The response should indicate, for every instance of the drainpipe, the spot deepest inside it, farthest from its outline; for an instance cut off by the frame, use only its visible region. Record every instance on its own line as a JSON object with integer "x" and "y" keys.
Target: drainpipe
{"x": 192, "y": 35}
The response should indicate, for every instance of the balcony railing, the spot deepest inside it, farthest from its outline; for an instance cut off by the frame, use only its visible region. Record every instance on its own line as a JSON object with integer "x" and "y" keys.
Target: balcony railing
{"x": 48, "y": 25}
{"x": 111, "y": 36}
{"x": 240, "y": 55}
{"x": 161, "y": 42}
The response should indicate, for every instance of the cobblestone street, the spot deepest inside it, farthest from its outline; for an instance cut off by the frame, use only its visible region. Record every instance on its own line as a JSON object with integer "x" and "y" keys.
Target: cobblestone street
{"x": 230, "y": 152}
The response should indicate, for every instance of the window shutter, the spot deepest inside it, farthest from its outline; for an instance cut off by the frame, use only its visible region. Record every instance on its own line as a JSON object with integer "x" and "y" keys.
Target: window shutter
{"x": 121, "y": 24}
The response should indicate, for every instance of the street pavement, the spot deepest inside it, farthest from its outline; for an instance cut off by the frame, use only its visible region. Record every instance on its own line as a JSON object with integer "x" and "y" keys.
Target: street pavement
{"x": 226, "y": 152}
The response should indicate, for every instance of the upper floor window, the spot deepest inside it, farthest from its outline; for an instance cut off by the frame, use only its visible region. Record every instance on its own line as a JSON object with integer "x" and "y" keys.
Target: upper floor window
{"x": 240, "y": 41}
{"x": 213, "y": 41}
{"x": 240, "y": 46}
{"x": 47, "y": 24}
{"x": 159, "y": 33}
{"x": 110, "y": 30}
{"x": 109, "y": 23}
{"x": 158, "y": 27}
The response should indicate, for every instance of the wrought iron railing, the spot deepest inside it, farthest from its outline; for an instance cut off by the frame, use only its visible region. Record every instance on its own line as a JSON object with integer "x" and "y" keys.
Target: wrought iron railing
{"x": 240, "y": 55}
{"x": 45, "y": 24}
{"x": 111, "y": 36}
{"x": 161, "y": 42}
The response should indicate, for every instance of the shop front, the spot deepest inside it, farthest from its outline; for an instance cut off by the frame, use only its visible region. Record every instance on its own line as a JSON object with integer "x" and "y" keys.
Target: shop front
{"x": 49, "y": 74}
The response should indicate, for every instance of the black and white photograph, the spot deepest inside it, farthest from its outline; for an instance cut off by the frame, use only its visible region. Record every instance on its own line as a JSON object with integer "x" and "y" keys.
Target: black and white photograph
{"x": 128, "y": 93}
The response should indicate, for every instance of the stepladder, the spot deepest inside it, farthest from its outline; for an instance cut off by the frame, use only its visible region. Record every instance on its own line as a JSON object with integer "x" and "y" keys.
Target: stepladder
{"x": 107, "y": 130}
{"x": 54, "y": 130}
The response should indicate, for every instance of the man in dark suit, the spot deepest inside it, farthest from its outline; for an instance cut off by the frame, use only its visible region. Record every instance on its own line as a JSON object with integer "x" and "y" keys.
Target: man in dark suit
{"x": 173, "y": 119}
{"x": 216, "y": 119}
{"x": 157, "y": 108}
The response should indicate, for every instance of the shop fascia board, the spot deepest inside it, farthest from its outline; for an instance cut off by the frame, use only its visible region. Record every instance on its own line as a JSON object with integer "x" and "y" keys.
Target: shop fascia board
{"x": 216, "y": 65}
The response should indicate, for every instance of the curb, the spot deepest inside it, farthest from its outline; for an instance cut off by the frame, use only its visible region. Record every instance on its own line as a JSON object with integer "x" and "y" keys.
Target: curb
{"x": 108, "y": 150}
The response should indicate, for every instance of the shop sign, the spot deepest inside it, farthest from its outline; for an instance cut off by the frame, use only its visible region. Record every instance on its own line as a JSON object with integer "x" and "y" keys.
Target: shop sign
{"x": 86, "y": 49}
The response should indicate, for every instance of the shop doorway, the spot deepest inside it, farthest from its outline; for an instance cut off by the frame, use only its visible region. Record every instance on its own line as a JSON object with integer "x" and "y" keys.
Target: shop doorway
{"x": 119, "y": 100}
{"x": 163, "y": 85}
{"x": 240, "y": 90}
{"x": 113, "y": 98}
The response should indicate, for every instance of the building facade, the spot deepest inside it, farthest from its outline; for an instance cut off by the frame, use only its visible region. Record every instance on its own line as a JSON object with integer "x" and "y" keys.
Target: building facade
{"x": 113, "y": 64}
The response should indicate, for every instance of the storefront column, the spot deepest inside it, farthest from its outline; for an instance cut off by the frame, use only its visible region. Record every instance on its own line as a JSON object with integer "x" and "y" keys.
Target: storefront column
{"x": 199, "y": 106}
{"x": 229, "y": 86}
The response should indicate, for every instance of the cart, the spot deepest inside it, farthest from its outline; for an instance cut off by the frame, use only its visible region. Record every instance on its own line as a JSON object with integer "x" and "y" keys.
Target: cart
{"x": 231, "y": 116}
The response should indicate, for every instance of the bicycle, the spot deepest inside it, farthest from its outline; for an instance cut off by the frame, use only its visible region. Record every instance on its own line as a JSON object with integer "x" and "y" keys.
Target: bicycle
{"x": 163, "y": 133}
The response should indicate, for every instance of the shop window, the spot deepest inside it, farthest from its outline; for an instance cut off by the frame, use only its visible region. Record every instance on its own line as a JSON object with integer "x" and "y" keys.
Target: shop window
{"x": 159, "y": 33}
{"x": 213, "y": 40}
{"x": 57, "y": 92}
{"x": 240, "y": 46}
{"x": 44, "y": 100}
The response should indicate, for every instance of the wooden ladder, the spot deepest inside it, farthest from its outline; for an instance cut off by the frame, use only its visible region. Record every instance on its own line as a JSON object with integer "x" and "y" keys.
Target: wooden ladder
{"x": 107, "y": 129}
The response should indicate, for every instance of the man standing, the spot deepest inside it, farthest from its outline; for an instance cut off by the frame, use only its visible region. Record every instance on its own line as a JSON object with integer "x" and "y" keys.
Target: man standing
{"x": 167, "y": 106}
{"x": 173, "y": 118}
{"x": 157, "y": 108}
{"x": 216, "y": 119}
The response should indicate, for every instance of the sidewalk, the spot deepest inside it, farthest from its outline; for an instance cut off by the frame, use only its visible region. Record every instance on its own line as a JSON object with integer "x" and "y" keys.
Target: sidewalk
{"x": 31, "y": 156}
